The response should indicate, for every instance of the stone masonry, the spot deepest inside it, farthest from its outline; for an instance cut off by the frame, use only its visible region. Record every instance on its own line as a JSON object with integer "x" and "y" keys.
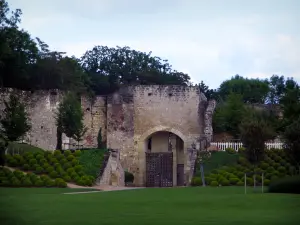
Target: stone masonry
{"x": 127, "y": 118}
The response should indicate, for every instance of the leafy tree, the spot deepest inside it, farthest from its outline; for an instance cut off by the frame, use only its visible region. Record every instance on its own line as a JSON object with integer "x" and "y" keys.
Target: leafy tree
{"x": 291, "y": 142}
{"x": 108, "y": 68}
{"x": 69, "y": 117}
{"x": 209, "y": 93}
{"x": 99, "y": 139}
{"x": 251, "y": 90}
{"x": 277, "y": 89}
{"x": 229, "y": 115}
{"x": 14, "y": 121}
{"x": 255, "y": 131}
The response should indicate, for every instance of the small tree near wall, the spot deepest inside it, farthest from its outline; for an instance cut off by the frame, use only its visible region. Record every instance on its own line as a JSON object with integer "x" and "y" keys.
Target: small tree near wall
{"x": 69, "y": 117}
{"x": 14, "y": 121}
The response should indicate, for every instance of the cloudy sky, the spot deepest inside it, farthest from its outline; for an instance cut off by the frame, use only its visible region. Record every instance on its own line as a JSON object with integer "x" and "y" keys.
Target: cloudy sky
{"x": 211, "y": 40}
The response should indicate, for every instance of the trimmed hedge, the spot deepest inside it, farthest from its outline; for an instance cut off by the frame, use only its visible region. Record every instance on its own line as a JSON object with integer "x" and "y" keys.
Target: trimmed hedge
{"x": 286, "y": 185}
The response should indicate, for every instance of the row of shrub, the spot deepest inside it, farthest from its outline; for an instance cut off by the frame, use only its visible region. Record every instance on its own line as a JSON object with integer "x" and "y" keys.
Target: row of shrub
{"x": 64, "y": 165}
{"x": 19, "y": 179}
{"x": 275, "y": 165}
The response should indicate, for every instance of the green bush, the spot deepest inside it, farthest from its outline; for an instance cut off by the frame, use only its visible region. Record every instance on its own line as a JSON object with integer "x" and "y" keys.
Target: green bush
{"x": 249, "y": 181}
{"x": 60, "y": 183}
{"x": 234, "y": 181}
{"x": 57, "y": 152}
{"x": 224, "y": 182}
{"x": 78, "y": 168}
{"x": 39, "y": 170}
{"x": 281, "y": 169}
{"x": 42, "y": 161}
{"x": 196, "y": 181}
{"x": 70, "y": 158}
{"x": 286, "y": 185}
{"x": 276, "y": 165}
{"x": 266, "y": 182}
{"x": 12, "y": 162}
{"x": 243, "y": 161}
{"x": 49, "y": 183}
{"x": 67, "y": 178}
{"x": 39, "y": 183}
{"x": 74, "y": 162}
{"x": 214, "y": 183}
{"x": 27, "y": 182}
{"x": 32, "y": 162}
{"x": 38, "y": 157}
{"x": 15, "y": 182}
{"x": 77, "y": 153}
{"x": 49, "y": 169}
{"x": 241, "y": 150}
{"x": 230, "y": 151}
{"x": 32, "y": 177}
{"x": 53, "y": 161}
{"x": 53, "y": 174}
{"x": 18, "y": 174}
{"x": 67, "y": 165}
{"x": 277, "y": 158}
{"x": 56, "y": 165}
{"x": 67, "y": 153}
{"x": 240, "y": 183}
{"x": 70, "y": 170}
{"x": 274, "y": 178}
{"x": 63, "y": 161}
{"x": 264, "y": 165}
{"x": 270, "y": 169}
{"x": 73, "y": 175}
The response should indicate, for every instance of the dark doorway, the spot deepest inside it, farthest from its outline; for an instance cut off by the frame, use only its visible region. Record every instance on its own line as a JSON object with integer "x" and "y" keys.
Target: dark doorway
{"x": 159, "y": 169}
{"x": 180, "y": 175}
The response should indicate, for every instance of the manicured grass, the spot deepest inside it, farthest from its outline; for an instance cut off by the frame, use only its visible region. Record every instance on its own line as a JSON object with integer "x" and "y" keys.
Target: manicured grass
{"x": 174, "y": 206}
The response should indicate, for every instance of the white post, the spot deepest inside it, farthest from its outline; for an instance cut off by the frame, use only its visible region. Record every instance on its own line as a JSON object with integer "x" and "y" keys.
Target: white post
{"x": 245, "y": 183}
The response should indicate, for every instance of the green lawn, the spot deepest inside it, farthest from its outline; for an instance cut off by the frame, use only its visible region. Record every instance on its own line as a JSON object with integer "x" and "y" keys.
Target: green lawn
{"x": 174, "y": 206}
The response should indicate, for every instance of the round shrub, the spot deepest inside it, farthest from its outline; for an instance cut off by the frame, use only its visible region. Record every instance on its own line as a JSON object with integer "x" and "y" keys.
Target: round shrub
{"x": 53, "y": 174}
{"x": 56, "y": 165}
{"x": 276, "y": 165}
{"x": 214, "y": 183}
{"x": 59, "y": 157}
{"x": 74, "y": 162}
{"x": 283, "y": 163}
{"x": 39, "y": 157}
{"x": 59, "y": 169}
{"x": 42, "y": 161}
{"x": 67, "y": 153}
{"x": 57, "y": 152}
{"x": 234, "y": 181}
{"x": 12, "y": 162}
{"x": 249, "y": 181}
{"x": 32, "y": 162}
{"x": 63, "y": 161}
{"x": 281, "y": 169}
{"x": 26, "y": 167}
{"x": 27, "y": 182}
{"x": 270, "y": 169}
{"x": 70, "y": 170}
{"x": 67, "y": 165}
{"x": 32, "y": 177}
{"x": 77, "y": 153}
{"x": 81, "y": 173}
{"x": 224, "y": 182}
{"x": 4, "y": 182}
{"x": 28, "y": 156}
{"x": 243, "y": 161}
{"x": 230, "y": 150}
{"x": 240, "y": 183}
{"x": 264, "y": 165}
{"x": 18, "y": 174}
{"x": 266, "y": 182}
{"x": 46, "y": 165}
{"x": 38, "y": 183}
{"x": 53, "y": 161}
{"x": 70, "y": 158}
{"x": 274, "y": 178}
{"x": 73, "y": 175}
{"x": 15, "y": 182}
{"x": 67, "y": 178}
{"x": 49, "y": 169}
{"x": 78, "y": 168}
{"x": 196, "y": 181}
{"x": 39, "y": 170}
{"x": 277, "y": 158}
{"x": 241, "y": 150}
{"x": 60, "y": 183}
{"x": 240, "y": 174}
{"x": 49, "y": 183}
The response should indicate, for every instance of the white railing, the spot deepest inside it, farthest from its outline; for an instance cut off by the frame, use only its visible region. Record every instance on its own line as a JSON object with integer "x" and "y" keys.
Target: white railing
{"x": 237, "y": 145}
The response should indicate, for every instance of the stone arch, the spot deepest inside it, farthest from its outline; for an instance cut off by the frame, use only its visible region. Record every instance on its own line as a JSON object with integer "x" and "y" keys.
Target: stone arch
{"x": 153, "y": 130}
{"x": 140, "y": 147}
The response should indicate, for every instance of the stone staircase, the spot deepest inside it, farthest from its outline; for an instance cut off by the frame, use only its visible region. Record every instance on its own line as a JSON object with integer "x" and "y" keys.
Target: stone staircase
{"x": 112, "y": 172}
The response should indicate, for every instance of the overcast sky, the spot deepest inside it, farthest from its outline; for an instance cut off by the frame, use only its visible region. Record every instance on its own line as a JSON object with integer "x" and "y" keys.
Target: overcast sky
{"x": 211, "y": 40}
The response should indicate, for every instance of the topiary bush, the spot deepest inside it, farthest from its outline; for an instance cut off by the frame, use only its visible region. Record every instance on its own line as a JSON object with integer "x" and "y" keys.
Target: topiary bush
{"x": 53, "y": 174}
{"x": 234, "y": 181}
{"x": 224, "y": 182}
{"x": 60, "y": 183}
{"x": 27, "y": 182}
{"x": 196, "y": 181}
{"x": 67, "y": 178}
{"x": 241, "y": 150}
{"x": 67, "y": 153}
{"x": 264, "y": 165}
{"x": 240, "y": 183}
{"x": 230, "y": 150}
{"x": 214, "y": 183}
{"x": 286, "y": 185}
{"x": 77, "y": 153}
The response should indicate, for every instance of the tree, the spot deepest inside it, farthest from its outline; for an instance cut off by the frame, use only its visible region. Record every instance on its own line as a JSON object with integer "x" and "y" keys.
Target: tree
{"x": 254, "y": 132}
{"x": 251, "y": 90}
{"x": 69, "y": 117}
{"x": 229, "y": 115}
{"x": 108, "y": 68}
{"x": 99, "y": 139}
{"x": 291, "y": 142}
{"x": 276, "y": 89}
{"x": 14, "y": 121}
{"x": 209, "y": 93}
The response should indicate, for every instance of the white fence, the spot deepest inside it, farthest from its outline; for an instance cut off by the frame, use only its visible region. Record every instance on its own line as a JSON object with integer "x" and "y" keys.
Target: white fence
{"x": 237, "y": 145}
